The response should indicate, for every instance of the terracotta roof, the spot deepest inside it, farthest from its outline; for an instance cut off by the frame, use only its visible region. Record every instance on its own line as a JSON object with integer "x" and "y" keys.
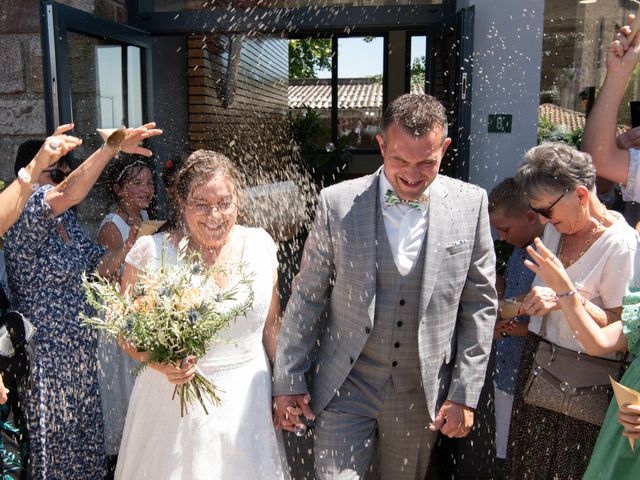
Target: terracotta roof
{"x": 353, "y": 93}
{"x": 359, "y": 93}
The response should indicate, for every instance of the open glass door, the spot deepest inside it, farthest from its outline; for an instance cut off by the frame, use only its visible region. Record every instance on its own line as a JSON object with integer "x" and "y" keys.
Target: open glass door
{"x": 97, "y": 75}
{"x": 439, "y": 62}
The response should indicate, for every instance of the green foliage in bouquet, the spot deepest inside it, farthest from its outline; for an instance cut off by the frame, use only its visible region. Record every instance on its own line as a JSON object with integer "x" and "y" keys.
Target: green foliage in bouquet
{"x": 172, "y": 314}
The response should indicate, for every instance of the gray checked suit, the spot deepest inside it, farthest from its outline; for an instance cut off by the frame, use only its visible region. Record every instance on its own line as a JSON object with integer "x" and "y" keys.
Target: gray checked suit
{"x": 330, "y": 316}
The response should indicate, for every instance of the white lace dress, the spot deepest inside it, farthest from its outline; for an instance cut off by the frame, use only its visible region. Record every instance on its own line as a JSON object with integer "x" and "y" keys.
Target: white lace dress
{"x": 236, "y": 440}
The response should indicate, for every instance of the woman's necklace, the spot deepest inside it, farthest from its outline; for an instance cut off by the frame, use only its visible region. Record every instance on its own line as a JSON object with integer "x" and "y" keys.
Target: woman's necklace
{"x": 567, "y": 262}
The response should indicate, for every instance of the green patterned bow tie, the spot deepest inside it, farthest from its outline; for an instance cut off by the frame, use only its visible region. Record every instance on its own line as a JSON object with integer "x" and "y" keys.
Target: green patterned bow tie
{"x": 391, "y": 198}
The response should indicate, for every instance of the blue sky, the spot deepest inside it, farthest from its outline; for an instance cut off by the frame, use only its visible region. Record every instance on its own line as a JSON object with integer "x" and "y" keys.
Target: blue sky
{"x": 357, "y": 58}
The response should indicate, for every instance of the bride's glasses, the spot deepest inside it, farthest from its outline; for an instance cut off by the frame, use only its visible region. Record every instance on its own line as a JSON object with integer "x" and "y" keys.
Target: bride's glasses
{"x": 203, "y": 208}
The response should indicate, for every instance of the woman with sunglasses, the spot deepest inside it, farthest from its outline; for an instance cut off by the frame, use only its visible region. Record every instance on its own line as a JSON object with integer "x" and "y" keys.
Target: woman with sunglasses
{"x": 131, "y": 182}
{"x": 47, "y": 254}
{"x": 597, "y": 248}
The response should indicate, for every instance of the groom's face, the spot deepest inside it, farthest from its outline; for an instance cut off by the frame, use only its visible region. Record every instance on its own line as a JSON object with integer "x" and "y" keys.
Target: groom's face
{"x": 411, "y": 163}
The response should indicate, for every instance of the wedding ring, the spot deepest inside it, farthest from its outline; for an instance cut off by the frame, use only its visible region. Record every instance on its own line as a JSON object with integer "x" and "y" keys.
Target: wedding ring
{"x": 300, "y": 430}
{"x": 54, "y": 143}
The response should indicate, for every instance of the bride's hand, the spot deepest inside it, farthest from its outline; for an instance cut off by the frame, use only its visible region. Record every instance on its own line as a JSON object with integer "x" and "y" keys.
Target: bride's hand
{"x": 177, "y": 375}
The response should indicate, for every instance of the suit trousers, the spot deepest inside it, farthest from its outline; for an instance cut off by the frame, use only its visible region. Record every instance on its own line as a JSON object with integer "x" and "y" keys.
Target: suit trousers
{"x": 361, "y": 419}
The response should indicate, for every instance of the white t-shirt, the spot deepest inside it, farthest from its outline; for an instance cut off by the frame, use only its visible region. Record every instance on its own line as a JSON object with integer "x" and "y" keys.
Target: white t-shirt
{"x": 601, "y": 275}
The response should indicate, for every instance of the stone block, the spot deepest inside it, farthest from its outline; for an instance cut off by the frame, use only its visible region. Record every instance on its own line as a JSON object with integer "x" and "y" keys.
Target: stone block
{"x": 35, "y": 76}
{"x": 13, "y": 68}
{"x": 20, "y": 17}
{"x": 22, "y": 116}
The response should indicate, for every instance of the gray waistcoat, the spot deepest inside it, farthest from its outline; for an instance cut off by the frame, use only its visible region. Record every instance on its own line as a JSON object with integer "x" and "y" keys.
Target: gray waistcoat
{"x": 392, "y": 346}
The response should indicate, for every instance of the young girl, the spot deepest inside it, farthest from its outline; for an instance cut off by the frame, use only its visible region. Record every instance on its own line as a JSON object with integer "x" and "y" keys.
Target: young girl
{"x": 612, "y": 456}
{"x": 132, "y": 185}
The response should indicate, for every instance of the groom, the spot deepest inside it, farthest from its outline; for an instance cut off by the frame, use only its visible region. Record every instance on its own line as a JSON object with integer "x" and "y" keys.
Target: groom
{"x": 402, "y": 263}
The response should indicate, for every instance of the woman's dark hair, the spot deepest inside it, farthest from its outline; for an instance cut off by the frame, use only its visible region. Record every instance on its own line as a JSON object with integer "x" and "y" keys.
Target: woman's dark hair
{"x": 124, "y": 169}
{"x": 27, "y": 150}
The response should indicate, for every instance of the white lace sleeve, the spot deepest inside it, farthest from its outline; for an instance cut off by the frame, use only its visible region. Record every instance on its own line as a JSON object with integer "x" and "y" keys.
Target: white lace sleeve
{"x": 142, "y": 253}
{"x": 631, "y": 191}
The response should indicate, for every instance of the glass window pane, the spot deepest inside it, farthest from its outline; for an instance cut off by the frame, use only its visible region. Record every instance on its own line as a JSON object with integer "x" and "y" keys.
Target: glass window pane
{"x": 360, "y": 90}
{"x": 418, "y": 63}
{"x": 310, "y": 89}
{"x": 134, "y": 87}
{"x": 110, "y": 92}
{"x": 575, "y": 40}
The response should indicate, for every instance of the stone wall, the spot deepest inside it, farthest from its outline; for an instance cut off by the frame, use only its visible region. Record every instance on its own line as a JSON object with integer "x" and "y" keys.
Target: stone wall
{"x": 22, "y": 107}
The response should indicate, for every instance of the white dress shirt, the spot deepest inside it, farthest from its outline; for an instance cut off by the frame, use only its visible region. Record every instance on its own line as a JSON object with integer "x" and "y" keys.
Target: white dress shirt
{"x": 405, "y": 227}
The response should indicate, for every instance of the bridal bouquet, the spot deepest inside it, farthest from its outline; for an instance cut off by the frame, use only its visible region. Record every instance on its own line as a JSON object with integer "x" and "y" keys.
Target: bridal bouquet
{"x": 172, "y": 314}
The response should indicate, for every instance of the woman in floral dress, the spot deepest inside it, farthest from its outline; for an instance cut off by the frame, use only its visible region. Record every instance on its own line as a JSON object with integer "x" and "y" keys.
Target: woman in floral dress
{"x": 46, "y": 255}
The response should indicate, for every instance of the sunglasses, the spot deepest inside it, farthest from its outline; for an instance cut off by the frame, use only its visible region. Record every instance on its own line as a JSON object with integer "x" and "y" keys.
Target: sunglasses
{"x": 57, "y": 175}
{"x": 546, "y": 212}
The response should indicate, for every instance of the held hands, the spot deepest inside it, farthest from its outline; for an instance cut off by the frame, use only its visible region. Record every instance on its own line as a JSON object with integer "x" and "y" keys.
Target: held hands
{"x": 287, "y": 410}
{"x": 453, "y": 420}
{"x": 629, "y": 418}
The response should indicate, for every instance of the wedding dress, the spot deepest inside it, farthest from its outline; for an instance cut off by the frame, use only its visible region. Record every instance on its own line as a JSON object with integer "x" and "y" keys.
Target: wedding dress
{"x": 236, "y": 440}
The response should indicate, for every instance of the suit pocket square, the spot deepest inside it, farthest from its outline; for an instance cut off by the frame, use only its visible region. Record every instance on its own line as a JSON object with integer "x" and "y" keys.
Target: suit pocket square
{"x": 454, "y": 247}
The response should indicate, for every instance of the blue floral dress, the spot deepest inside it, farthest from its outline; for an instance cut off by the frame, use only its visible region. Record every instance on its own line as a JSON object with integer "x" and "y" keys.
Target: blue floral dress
{"x": 62, "y": 407}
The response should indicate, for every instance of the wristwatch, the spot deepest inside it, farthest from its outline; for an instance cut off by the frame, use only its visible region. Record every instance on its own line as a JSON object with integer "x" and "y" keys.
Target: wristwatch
{"x": 25, "y": 179}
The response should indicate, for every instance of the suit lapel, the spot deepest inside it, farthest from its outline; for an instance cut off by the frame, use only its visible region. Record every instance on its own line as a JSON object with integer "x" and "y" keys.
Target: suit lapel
{"x": 364, "y": 224}
{"x": 439, "y": 225}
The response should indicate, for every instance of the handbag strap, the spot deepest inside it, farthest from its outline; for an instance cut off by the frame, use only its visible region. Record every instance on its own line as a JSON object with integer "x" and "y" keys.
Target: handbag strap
{"x": 5, "y": 305}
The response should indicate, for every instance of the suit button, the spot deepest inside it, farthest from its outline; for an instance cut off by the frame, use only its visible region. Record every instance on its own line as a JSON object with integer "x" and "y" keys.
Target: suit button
{"x": 367, "y": 330}
{"x": 351, "y": 360}
{"x": 394, "y": 364}
{"x": 402, "y": 302}
{"x": 397, "y": 344}
{"x": 399, "y": 323}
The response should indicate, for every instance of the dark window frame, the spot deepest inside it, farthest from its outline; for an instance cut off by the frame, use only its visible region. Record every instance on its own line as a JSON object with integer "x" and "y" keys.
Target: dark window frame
{"x": 334, "y": 79}
{"x": 57, "y": 21}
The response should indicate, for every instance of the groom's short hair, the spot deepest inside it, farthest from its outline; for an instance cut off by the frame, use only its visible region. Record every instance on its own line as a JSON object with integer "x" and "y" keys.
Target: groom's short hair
{"x": 417, "y": 114}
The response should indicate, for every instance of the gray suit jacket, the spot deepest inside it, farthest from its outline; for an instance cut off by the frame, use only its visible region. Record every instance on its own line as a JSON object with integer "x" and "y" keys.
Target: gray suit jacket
{"x": 458, "y": 300}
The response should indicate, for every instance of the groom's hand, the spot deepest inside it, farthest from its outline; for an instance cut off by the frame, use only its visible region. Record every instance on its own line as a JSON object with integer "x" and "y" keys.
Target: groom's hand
{"x": 287, "y": 410}
{"x": 453, "y": 420}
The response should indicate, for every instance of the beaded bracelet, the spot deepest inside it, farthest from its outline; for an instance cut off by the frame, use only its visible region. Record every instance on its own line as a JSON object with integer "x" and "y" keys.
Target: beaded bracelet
{"x": 570, "y": 293}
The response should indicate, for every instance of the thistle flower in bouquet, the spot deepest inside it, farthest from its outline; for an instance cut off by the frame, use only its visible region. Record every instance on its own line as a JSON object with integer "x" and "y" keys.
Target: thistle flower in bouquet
{"x": 173, "y": 313}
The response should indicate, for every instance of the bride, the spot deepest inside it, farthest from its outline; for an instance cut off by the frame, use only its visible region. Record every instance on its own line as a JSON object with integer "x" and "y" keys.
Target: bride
{"x": 237, "y": 439}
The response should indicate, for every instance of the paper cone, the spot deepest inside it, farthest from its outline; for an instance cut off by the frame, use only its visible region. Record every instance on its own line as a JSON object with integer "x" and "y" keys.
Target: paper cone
{"x": 112, "y": 136}
{"x": 149, "y": 227}
{"x": 625, "y": 396}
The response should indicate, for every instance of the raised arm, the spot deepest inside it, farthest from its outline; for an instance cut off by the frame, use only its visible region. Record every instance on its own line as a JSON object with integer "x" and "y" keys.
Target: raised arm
{"x": 78, "y": 184}
{"x": 611, "y": 161}
{"x": 15, "y": 196}
{"x": 596, "y": 340}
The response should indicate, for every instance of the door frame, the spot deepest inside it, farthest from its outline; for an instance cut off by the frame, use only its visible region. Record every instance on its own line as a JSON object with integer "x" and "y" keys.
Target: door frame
{"x": 57, "y": 20}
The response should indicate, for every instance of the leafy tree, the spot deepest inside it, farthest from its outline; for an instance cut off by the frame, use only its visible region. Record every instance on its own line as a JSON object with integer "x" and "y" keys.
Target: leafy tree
{"x": 418, "y": 70}
{"x": 308, "y": 56}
